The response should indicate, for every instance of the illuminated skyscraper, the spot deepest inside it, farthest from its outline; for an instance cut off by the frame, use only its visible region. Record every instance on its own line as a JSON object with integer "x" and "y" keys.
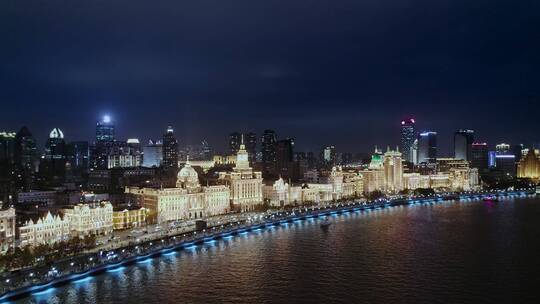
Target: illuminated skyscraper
{"x": 170, "y": 149}
{"x": 53, "y": 165}
{"x": 427, "y": 147}
{"x": 463, "y": 140}
{"x": 408, "y": 136}
{"x": 105, "y": 130}
{"x": 153, "y": 154}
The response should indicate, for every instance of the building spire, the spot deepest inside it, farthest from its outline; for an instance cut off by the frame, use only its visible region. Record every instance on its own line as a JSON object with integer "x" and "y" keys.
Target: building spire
{"x": 242, "y": 146}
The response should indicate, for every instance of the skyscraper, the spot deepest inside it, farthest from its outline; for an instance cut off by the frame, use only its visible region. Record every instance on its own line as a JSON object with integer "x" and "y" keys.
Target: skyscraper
{"x": 234, "y": 142}
{"x": 79, "y": 155}
{"x": 7, "y": 153}
{"x": 506, "y": 163}
{"x": 105, "y": 130}
{"x": 26, "y": 158}
{"x": 153, "y": 154}
{"x": 170, "y": 149}
{"x": 53, "y": 166}
{"x": 479, "y": 156}
{"x": 268, "y": 150}
{"x": 328, "y": 156}
{"x": 250, "y": 141}
{"x": 99, "y": 151}
{"x": 463, "y": 140}
{"x": 427, "y": 147}
{"x": 285, "y": 158}
{"x": 408, "y": 136}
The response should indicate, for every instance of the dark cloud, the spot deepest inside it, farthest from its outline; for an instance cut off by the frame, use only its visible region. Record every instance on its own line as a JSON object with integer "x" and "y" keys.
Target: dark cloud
{"x": 325, "y": 72}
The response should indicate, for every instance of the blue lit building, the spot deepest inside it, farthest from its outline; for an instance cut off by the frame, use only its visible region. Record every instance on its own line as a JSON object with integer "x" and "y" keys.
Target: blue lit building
{"x": 105, "y": 130}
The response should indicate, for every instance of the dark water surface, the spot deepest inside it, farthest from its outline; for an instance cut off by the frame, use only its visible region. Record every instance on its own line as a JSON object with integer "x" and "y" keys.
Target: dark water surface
{"x": 453, "y": 252}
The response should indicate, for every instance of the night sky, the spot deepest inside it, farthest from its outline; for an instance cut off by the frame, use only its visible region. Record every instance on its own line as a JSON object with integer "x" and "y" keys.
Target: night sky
{"x": 324, "y": 72}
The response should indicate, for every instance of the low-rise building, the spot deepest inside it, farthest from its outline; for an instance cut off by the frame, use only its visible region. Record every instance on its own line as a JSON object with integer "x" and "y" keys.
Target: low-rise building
{"x": 129, "y": 218}
{"x": 34, "y": 196}
{"x": 47, "y": 230}
{"x": 90, "y": 219}
{"x": 7, "y": 229}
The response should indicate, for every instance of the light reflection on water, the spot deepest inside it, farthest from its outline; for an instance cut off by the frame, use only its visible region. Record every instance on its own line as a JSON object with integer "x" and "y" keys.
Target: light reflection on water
{"x": 447, "y": 252}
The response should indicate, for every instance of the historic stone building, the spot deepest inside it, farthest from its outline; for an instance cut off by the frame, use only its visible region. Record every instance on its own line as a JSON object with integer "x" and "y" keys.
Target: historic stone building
{"x": 188, "y": 200}
{"x": 47, "y": 230}
{"x": 7, "y": 229}
{"x": 245, "y": 184}
{"x": 393, "y": 171}
{"x": 90, "y": 219}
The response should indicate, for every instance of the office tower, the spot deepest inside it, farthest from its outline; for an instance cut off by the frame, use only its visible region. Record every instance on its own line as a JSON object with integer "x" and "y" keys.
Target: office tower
{"x": 235, "y": 139}
{"x": 170, "y": 149}
{"x": 26, "y": 158}
{"x": 517, "y": 151}
{"x": 347, "y": 158}
{"x": 207, "y": 153}
{"x": 153, "y": 154}
{"x": 427, "y": 147}
{"x": 7, "y": 154}
{"x": 311, "y": 159}
{"x": 328, "y": 156}
{"x": 463, "y": 140}
{"x": 506, "y": 163}
{"x": 78, "y": 155}
{"x": 300, "y": 159}
{"x": 105, "y": 130}
{"x": 502, "y": 149}
{"x": 285, "y": 158}
{"x": 268, "y": 150}
{"x": 408, "y": 136}
{"x": 414, "y": 152}
{"x": 250, "y": 141}
{"x": 479, "y": 154}
{"x": 53, "y": 165}
{"x": 105, "y": 135}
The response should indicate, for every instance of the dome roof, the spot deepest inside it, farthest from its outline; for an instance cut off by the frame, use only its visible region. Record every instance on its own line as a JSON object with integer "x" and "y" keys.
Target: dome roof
{"x": 188, "y": 177}
{"x": 56, "y": 133}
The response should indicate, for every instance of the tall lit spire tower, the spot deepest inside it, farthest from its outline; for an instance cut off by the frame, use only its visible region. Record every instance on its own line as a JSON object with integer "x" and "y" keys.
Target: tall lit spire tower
{"x": 408, "y": 136}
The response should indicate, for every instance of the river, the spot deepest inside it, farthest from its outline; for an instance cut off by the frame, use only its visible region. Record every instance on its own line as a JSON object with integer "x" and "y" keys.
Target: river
{"x": 450, "y": 252}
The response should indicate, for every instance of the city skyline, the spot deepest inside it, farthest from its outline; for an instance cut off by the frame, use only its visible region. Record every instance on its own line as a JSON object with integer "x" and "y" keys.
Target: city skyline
{"x": 445, "y": 142}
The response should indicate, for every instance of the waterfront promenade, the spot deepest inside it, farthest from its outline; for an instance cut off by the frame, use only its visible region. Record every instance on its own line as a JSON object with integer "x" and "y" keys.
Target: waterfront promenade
{"x": 38, "y": 280}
